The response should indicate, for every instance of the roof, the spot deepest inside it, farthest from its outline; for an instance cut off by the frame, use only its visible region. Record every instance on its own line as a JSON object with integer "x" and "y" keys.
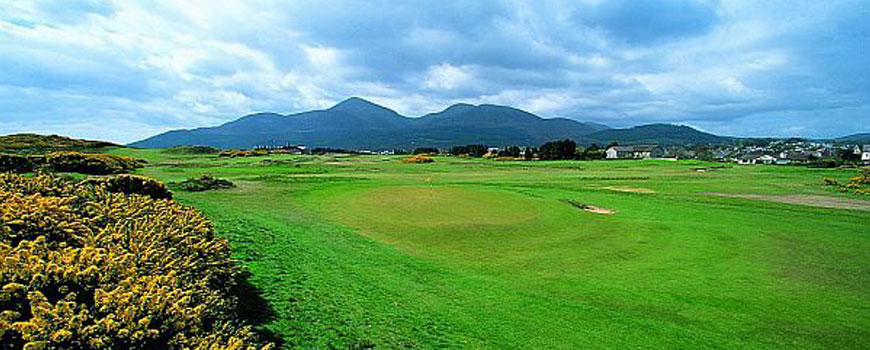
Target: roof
{"x": 634, "y": 148}
{"x": 799, "y": 155}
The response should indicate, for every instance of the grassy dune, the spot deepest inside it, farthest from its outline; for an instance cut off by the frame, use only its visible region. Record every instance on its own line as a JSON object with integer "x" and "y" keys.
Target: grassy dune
{"x": 365, "y": 251}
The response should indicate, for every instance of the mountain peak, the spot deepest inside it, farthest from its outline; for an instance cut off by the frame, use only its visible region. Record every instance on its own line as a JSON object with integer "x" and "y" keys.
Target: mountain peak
{"x": 356, "y": 103}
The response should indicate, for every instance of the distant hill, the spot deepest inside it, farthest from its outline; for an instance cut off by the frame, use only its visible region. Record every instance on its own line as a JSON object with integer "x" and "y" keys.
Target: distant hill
{"x": 855, "y": 138}
{"x": 35, "y": 143}
{"x": 359, "y": 124}
{"x": 658, "y": 134}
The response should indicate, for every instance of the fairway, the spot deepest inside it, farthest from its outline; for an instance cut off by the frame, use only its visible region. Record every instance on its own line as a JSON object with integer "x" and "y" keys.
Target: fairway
{"x": 367, "y": 252}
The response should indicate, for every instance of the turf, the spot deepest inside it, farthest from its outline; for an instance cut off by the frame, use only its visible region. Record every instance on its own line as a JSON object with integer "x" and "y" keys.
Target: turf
{"x": 367, "y": 252}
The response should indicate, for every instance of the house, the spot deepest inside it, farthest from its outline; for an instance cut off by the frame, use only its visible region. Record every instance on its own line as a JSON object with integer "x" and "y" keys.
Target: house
{"x": 634, "y": 152}
{"x": 747, "y": 159}
{"x": 767, "y": 159}
{"x": 801, "y": 157}
{"x": 865, "y": 155}
{"x": 291, "y": 149}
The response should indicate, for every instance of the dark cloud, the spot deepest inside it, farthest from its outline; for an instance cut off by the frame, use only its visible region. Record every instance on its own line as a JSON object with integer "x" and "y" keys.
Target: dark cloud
{"x": 650, "y": 21}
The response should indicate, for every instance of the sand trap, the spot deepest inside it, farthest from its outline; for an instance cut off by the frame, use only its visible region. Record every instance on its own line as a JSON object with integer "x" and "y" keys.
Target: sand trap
{"x": 592, "y": 209}
{"x": 629, "y": 189}
{"x": 804, "y": 199}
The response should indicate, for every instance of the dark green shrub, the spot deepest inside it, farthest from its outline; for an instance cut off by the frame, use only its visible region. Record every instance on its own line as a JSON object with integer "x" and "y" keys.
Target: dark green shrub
{"x": 204, "y": 183}
{"x": 192, "y": 150}
{"x": 15, "y": 163}
{"x": 132, "y": 184}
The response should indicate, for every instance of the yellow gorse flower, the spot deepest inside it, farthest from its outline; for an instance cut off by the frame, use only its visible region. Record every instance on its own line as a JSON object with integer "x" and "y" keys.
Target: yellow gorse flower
{"x": 95, "y": 265}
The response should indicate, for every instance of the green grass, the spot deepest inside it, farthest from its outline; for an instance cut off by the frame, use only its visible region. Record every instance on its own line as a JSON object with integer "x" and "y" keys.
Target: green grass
{"x": 364, "y": 251}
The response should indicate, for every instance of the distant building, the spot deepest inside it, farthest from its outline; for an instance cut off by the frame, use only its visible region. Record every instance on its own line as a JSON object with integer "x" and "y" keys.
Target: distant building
{"x": 767, "y": 159}
{"x": 747, "y": 159}
{"x": 634, "y": 152}
{"x": 865, "y": 155}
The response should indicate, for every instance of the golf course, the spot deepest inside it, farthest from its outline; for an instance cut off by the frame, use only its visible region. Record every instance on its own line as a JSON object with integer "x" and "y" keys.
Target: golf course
{"x": 365, "y": 251}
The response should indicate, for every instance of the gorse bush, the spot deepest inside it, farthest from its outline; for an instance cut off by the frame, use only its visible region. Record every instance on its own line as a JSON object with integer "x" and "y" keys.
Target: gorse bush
{"x": 87, "y": 163}
{"x": 192, "y": 150}
{"x": 418, "y": 159}
{"x": 85, "y": 268}
{"x": 132, "y": 184}
{"x": 15, "y": 163}
{"x": 237, "y": 153}
{"x": 69, "y": 161}
{"x": 204, "y": 183}
{"x": 858, "y": 184}
{"x": 33, "y": 143}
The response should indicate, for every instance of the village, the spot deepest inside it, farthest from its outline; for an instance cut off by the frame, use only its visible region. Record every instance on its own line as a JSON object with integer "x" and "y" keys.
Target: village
{"x": 745, "y": 152}
{"x": 779, "y": 152}
{"x": 776, "y": 152}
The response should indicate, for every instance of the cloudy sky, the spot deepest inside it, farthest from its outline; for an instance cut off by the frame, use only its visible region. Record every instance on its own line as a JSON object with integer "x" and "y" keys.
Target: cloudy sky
{"x": 124, "y": 70}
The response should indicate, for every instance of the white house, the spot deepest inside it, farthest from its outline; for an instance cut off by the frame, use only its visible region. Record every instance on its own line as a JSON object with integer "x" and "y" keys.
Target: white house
{"x": 634, "y": 152}
{"x": 767, "y": 159}
{"x": 865, "y": 155}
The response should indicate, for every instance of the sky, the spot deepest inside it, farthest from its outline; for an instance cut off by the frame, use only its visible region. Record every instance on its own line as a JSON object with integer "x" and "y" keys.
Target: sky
{"x": 126, "y": 70}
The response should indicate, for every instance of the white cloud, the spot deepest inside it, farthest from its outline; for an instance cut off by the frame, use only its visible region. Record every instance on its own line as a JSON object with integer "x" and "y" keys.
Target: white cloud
{"x": 88, "y": 66}
{"x": 446, "y": 76}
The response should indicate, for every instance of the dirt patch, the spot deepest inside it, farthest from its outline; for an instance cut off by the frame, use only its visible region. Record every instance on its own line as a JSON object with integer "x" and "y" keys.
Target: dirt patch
{"x": 629, "y": 189}
{"x": 591, "y": 208}
{"x": 803, "y": 199}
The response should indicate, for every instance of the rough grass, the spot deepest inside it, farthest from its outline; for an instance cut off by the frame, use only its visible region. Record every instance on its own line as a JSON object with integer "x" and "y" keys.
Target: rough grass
{"x": 472, "y": 253}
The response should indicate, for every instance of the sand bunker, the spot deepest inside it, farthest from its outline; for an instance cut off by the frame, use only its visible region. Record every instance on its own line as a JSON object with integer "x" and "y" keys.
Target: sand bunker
{"x": 591, "y": 208}
{"x": 804, "y": 199}
{"x": 629, "y": 189}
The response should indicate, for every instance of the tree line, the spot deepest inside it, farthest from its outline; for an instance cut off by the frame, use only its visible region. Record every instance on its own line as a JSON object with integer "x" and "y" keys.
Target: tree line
{"x": 565, "y": 149}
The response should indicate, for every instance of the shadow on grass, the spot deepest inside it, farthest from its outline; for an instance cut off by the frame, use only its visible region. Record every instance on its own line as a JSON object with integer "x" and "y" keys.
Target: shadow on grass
{"x": 254, "y": 309}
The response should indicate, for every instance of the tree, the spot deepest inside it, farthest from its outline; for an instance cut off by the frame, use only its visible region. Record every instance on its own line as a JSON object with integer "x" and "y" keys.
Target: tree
{"x": 848, "y": 155}
{"x": 476, "y": 151}
{"x": 703, "y": 152}
{"x": 510, "y": 151}
{"x": 591, "y": 153}
{"x": 555, "y": 150}
{"x": 426, "y": 150}
{"x": 530, "y": 153}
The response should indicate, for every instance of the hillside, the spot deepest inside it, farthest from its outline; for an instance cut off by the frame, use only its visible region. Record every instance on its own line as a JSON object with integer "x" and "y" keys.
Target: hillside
{"x": 357, "y": 123}
{"x": 660, "y": 134}
{"x": 35, "y": 143}
{"x": 855, "y": 138}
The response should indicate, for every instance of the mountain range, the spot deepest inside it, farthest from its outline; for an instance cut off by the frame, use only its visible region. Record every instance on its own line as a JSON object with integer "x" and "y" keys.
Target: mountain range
{"x": 359, "y": 124}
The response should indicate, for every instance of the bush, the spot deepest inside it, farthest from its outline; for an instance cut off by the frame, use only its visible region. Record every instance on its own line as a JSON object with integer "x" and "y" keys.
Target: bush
{"x": 86, "y": 163}
{"x": 15, "y": 163}
{"x": 192, "y": 150}
{"x": 132, "y": 184}
{"x": 85, "y": 268}
{"x": 204, "y": 183}
{"x": 418, "y": 159}
{"x": 857, "y": 184}
{"x": 33, "y": 143}
{"x": 233, "y": 153}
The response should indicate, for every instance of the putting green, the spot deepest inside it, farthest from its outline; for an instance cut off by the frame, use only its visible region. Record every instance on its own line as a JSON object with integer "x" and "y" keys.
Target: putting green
{"x": 469, "y": 225}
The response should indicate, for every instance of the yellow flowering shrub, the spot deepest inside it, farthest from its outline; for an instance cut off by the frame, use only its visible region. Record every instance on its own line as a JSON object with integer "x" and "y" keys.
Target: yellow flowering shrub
{"x": 87, "y": 163}
{"x": 233, "y": 153}
{"x": 82, "y": 267}
{"x": 418, "y": 159}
